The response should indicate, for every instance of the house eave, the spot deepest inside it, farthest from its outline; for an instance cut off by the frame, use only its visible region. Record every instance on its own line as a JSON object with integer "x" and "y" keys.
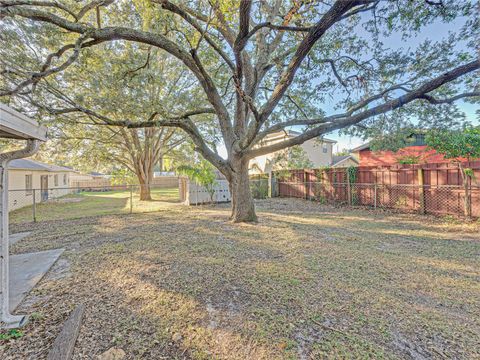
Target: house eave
{"x": 39, "y": 170}
{"x": 15, "y": 125}
{"x": 361, "y": 147}
{"x": 282, "y": 135}
{"x": 343, "y": 160}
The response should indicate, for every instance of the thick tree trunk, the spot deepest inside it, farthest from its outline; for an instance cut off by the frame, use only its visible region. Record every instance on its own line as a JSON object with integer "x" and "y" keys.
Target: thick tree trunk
{"x": 243, "y": 208}
{"x": 145, "y": 183}
{"x": 145, "y": 194}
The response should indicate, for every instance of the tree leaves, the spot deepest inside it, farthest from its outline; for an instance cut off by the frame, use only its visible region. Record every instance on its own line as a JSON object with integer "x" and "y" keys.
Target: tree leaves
{"x": 456, "y": 144}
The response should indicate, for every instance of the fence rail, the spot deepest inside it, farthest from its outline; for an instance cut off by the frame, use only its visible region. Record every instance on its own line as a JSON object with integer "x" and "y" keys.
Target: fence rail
{"x": 26, "y": 205}
{"x": 73, "y": 202}
{"x": 424, "y": 199}
{"x": 436, "y": 188}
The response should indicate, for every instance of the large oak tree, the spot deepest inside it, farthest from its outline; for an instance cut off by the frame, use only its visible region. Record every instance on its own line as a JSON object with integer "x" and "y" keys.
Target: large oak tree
{"x": 131, "y": 86}
{"x": 268, "y": 65}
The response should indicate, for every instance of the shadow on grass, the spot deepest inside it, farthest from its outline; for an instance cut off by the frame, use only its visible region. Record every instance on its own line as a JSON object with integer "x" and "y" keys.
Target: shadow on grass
{"x": 326, "y": 285}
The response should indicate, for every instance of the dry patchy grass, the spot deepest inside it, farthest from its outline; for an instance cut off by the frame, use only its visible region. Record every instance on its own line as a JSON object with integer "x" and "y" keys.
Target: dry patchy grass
{"x": 95, "y": 203}
{"x": 308, "y": 281}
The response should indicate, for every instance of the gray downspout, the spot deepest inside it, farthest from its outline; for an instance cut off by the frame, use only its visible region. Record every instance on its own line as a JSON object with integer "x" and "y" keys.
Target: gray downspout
{"x": 9, "y": 320}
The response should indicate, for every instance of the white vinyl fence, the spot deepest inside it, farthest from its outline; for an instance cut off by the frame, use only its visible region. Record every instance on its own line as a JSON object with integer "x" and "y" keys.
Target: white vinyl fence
{"x": 194, "y": 194}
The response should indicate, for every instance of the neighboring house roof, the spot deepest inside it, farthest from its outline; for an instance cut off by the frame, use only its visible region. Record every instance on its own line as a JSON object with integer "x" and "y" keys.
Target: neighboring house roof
{"x": 94, "y": 173}
{"x": 413, "y": 134}
{"x": 361, "y": 147}
{"x": 290, "y": 134}
{"x": 27, "y": 164}
{"x": 338, "y": 160}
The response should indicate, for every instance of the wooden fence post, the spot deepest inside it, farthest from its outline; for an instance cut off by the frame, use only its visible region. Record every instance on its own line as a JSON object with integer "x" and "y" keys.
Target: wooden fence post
{"x": 305, "y": 182}
{"x": 349, "y": 188}
{"x": 34, "y": 206}
{"x": 467, "y": 199}
{"x": 421, "y": 192}
{"x": 270, "y": 185}
{"x": 131, "y": 199}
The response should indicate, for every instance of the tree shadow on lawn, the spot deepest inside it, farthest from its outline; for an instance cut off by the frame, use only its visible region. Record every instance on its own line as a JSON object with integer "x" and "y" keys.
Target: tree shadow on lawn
{"x": 279, "y": 292}
{"x": 277, "y": 304}
{"x": 389, "y": 235}
{"x": 166, "y": 200}
{"x": 374, "y": 217}
{"x": 111, "y": 320}
{"x": 282, "y": 288}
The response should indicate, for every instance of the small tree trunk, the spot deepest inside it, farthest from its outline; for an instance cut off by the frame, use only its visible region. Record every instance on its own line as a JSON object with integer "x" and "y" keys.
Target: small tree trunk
{"x": 243, "y": 208}
{"x": 467, "y": 206}
{"x": 466, "y": 201}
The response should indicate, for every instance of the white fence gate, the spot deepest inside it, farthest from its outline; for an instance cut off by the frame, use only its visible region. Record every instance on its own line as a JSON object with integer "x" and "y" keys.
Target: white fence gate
{"x": 194, "y": 194}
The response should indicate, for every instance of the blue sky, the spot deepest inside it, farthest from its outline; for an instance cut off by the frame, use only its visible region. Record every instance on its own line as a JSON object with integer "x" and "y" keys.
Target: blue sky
{"x": 436, "y": 31}
{"x": 349, "y": 142}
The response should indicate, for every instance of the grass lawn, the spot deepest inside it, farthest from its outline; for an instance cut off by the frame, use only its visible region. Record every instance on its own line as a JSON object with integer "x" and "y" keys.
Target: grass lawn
{"x": 307, "y": 282}
{"x": 95, "y": 203}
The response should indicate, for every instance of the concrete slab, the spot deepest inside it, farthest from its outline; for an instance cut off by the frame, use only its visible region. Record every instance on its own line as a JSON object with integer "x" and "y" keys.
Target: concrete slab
{"x": 26, "y": 270}
{"x": 14, "y": 238}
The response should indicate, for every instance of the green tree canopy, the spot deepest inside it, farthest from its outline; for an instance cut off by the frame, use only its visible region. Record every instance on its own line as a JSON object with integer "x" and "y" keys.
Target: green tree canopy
{"x": 202, "y": 173}
{"x": 261, "y": 66}
{"x": 456, "y": 144}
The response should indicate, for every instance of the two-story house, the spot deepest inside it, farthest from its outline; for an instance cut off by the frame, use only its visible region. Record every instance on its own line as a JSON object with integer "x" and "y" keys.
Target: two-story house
{"x": 319, "y": 151}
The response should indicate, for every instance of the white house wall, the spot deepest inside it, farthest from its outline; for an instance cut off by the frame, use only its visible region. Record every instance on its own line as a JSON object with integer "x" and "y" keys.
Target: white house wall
{"x": 314, "y": 151}
{"x": 18, "y": 197}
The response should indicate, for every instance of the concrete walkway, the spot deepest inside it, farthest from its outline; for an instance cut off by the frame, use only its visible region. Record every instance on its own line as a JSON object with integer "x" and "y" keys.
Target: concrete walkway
{"x": 26, "y": 270}
{"x": 14, "y": 238}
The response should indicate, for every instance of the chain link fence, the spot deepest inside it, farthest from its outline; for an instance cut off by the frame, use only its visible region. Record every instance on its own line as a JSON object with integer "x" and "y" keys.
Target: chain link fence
{"x": 26, "y": 205}
{"x": 424, "y": 199}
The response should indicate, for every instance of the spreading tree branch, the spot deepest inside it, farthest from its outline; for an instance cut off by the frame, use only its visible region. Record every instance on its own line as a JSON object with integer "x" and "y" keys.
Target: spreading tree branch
{"x": 339, "y": 121}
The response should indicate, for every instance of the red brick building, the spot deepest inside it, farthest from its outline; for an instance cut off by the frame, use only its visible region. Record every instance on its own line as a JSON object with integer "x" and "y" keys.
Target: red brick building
{"x": 417, "y": 151}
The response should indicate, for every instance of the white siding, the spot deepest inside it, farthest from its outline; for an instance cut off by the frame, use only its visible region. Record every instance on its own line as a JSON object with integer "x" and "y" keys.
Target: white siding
{"x": 313, "y": 149}
{"x": 18, "y": 197}
{"x": 315, "y": 152}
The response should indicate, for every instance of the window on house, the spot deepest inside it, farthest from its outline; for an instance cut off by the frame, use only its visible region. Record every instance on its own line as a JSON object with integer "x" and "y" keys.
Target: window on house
{"x": 416, "y": 140}
{"x": 325, "y": 148}
{"x": 420, "y": 140}
{"x": 28, "y": 184}
{"x": 64, "y": 179}
{"x": 55, "y": 180}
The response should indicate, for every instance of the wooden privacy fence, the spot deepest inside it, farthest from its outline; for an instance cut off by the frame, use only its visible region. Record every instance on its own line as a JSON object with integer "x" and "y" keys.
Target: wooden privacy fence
{"x": 426, "y": 188}
{"x": 165, "y": 181}
{"x": 89, "y": 184}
